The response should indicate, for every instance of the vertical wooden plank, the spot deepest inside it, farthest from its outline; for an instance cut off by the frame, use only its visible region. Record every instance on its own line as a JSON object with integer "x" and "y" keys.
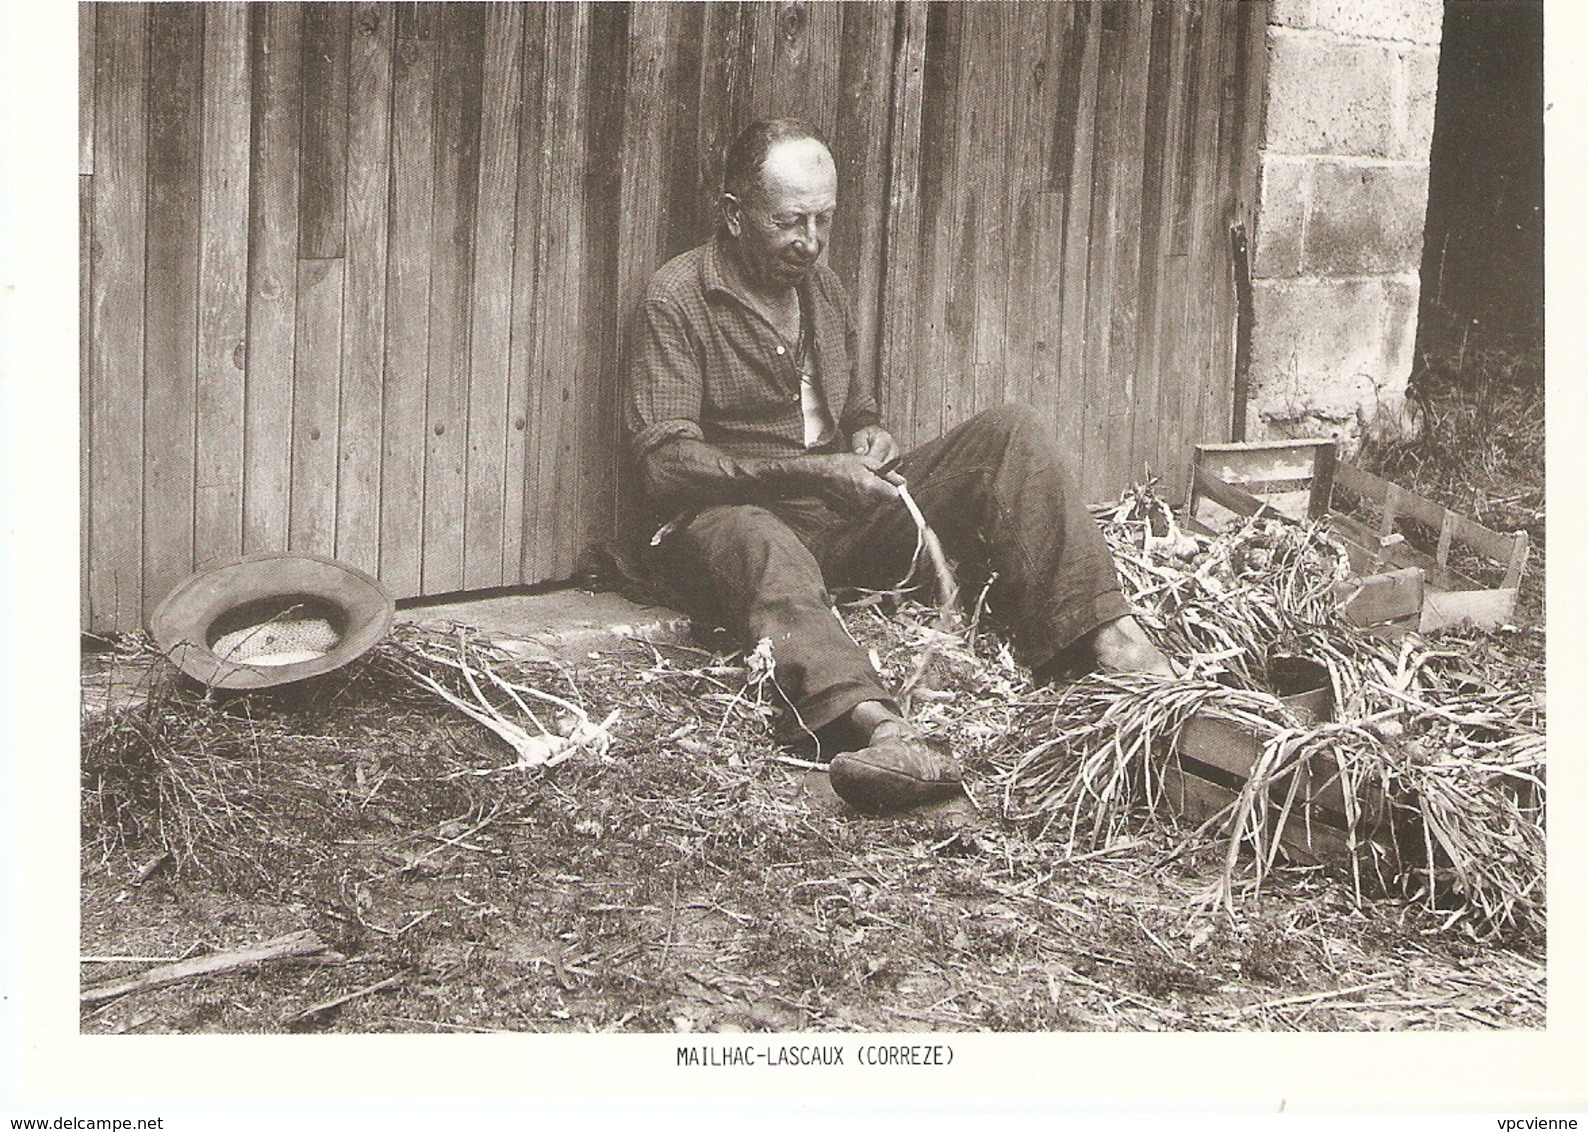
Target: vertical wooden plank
{"x": 316, "y": 405}
{"x": 176, "y": 33}
{"x": 223, "y": 286}
{"x": 1125, "y": 465}
{"x": 1070, "y": 426}
{"x": 552, "y": 510}
{"x": 1026, "y": 73}
{"x": 599, "y": 451}
{"x": 652, "y": 36}
{"x": 457, "y": 152}
{"x": 901, "y": 249}
{"x": 1054, "y": 103}
{"x": 1097, "y": 458}
{"x": 1153, "y": 431}
{"x": 1210, "y": 242}
{"x": 323, "y": 173}
{"x": 795, "y": 62}
{"x": 1181, "y": 361}
{"x": 964, "y": 227}
{"x": 996, "y": 164}
{"x": 115, "y": 432}
{"x": 492, "y": 290}
{"x": 860, "y": 143}
{"x": 272, "y": 276}
{"x": 367, "y": 219}
{"x": 407, "y": 315}
{"x": 939, "y": 181}
{"x": 85, "y": 400}
{"x": 687, "y": 205}
{"x": 524, "y": 424}
{"x": 726, "y": 107}
{"x": 86, "y": 57}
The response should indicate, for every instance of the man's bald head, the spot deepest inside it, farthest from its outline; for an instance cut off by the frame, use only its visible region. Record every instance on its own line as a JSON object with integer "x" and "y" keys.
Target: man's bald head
{"x": 780, "y": 190}
{"x": 749, "y": 152}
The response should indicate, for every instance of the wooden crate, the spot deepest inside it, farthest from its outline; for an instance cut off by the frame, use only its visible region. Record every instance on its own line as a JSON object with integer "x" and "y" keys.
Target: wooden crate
{"x": 1211, "y": 764}
{"x": 1213, "y": 760}
{"x": 1394, "y": 585}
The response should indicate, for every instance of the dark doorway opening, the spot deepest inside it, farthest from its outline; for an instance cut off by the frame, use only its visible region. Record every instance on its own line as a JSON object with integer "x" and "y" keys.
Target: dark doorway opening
{"x": 1483, "y": 253}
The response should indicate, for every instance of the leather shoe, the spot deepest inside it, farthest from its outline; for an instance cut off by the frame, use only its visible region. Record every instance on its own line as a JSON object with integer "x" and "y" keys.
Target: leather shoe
{"x": 896, "y": 772}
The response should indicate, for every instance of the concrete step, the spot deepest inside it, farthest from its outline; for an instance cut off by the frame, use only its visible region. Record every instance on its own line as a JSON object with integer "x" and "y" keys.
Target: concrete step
{"x": 565, "y": 624}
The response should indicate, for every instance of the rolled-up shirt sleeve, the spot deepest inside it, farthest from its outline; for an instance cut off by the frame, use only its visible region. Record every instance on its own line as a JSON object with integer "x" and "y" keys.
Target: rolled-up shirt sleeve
{"x": 860, "y": 406}
{"x": 666, "y": 382}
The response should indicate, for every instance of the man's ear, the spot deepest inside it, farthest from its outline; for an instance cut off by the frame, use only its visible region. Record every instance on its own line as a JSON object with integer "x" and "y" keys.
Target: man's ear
{"x": 732, "y": 214}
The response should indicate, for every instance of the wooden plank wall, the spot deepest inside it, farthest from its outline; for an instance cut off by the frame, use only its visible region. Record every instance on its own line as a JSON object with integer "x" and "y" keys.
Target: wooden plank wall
{"x": 1058, "y": 231}
{"x": 353, "y": 272}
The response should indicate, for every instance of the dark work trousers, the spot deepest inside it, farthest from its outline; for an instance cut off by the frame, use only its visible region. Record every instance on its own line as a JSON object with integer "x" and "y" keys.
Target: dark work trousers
{"x": 995, "y": 491}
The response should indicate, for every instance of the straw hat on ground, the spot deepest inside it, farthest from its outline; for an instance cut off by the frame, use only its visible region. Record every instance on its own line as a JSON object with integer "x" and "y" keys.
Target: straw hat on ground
{"x": 271, "y": 619}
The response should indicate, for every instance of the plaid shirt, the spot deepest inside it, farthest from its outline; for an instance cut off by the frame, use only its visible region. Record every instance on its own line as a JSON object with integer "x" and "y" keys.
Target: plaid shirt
{"x": 703, "y": 364}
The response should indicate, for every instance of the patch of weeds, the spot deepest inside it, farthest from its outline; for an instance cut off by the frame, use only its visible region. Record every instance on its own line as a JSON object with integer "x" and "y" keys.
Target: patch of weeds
{"x": 1033, "y": 1012}
{"x": 1160, "y": 977}
{"x": 1266, "y": 953}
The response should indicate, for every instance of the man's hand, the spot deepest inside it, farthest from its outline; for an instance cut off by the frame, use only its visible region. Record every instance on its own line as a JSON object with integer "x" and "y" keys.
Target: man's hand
{"x": 875, "y": 446}
{"x": 850, "y": 481}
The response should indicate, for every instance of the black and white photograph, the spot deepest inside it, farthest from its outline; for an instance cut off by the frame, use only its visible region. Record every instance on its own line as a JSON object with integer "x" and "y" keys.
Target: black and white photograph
{"x": 817, "y": 532}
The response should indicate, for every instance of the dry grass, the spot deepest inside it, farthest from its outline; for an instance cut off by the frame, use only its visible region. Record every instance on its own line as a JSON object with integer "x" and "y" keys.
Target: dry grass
{"x": 685, "y": 879}
{"x": 1459, "y": 761}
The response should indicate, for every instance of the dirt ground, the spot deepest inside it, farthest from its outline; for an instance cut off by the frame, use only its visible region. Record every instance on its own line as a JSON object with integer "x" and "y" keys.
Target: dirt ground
{"x": 694, "y": 879}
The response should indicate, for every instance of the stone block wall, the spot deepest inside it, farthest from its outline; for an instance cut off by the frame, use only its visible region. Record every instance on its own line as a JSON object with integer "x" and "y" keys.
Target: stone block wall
{"x": 1342, "y": 201}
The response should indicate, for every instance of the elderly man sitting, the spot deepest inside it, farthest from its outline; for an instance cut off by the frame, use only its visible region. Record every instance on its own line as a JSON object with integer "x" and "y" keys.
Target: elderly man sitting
{"x": 757, "y": 440}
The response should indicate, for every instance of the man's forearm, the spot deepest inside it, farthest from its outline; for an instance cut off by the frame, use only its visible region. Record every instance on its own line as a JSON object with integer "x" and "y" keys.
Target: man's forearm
{"x": 684, "y": 472}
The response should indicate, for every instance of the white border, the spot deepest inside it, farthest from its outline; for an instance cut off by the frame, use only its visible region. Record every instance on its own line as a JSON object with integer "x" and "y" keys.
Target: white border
{"x": 46, "y": 1065}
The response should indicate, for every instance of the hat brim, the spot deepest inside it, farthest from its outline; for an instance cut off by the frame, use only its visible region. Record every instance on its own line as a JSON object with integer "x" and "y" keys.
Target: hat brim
{"x": 182, "y": 624}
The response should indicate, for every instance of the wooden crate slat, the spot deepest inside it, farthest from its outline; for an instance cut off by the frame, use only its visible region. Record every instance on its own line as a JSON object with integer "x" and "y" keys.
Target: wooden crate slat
{"x": 1496, "y": 547}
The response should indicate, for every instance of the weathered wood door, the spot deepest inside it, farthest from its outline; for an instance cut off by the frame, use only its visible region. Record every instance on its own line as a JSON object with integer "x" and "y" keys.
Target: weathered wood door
{"x": 353, "y": 273}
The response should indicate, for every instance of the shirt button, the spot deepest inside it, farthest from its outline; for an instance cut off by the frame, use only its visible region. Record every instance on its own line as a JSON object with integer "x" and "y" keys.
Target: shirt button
{"x": 781, "y": 351}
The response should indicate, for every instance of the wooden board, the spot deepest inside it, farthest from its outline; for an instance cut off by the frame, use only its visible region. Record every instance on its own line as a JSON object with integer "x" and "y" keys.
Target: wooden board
{"x": 322, "y": 173}
{"x": 491, "y": 292}
{"x": 316, "y": 406}
{"x": 1376, "y": 599}
{"x": 113, "y": 432}
{"x": 408, "y": 269}
{"x": 367, "y": 221}
{"x": 523, "y": 421}
{"x": 272, "y": 275}
{"x": 897, "y": 381}
{"x": 460, "y": 42}
{"x": 1212, "y": 762}
{"x": 222, "y": 287}
{"x": 171, "y": 289}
